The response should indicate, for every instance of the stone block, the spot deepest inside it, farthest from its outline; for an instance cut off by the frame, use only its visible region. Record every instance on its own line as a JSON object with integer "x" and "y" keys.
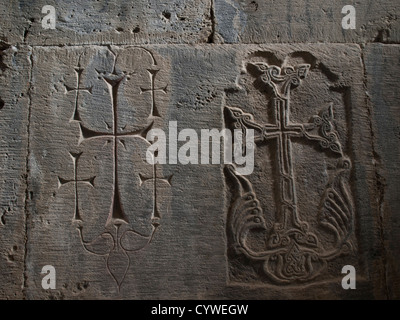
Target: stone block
{"x": 382, "y": 68}
{"x": 248, "y": 21}
{"x": 115, "y": 226}
{"x": 106, "y": 22}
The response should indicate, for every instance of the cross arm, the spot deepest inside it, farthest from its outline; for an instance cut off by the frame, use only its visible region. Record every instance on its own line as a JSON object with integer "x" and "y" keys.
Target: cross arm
{"x": 86, "y": 133}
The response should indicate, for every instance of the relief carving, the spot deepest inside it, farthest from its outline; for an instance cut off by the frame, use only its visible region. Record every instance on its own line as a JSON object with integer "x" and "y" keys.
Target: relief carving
{"x": 287, "y": 249}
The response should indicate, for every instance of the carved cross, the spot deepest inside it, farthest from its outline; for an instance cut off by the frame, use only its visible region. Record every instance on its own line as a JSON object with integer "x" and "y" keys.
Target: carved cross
{"x": 61, "y": 181}
{"x": 156, "y": 213}
{"x": 114, "y": 80}
{"x": 116, "y": 243}
{"x": 154, "y": 110}
{"x": 292, "y": 252}
{"x": 77, "y": 89}
{"x": 282, "y": 130}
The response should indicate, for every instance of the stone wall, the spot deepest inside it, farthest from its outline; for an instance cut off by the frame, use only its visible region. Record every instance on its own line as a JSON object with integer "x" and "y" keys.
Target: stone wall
{"x": 77, "y": 103}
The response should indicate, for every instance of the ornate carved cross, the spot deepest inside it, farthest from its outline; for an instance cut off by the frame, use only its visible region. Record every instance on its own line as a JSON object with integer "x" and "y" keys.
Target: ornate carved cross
{"x": 293, "y": 251}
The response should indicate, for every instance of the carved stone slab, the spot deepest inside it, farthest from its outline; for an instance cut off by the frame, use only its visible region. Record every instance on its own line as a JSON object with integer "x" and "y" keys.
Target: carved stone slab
{"x": 109, "y": 22}
{"x": 14, "y": 107}
{"x": 255, "y": 21}
{"x": 115, "y": 226}
{"x": 383, "y": 67}
{"x": 294, "y": 220}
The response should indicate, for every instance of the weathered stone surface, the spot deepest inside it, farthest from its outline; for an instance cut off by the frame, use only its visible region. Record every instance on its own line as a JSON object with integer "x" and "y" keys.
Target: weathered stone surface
{"x": 383, "y": 73}
{"x": 106, "y": 22}
{"x": 14, "y": 100}
{"x": 304, "y": 21}
{"x": 77, "y": 104}
{"x": 112, "y": 234}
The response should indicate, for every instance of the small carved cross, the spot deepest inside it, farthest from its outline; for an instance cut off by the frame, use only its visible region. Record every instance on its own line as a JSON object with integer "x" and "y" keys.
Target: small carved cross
{"x": 90, "y": 181}
{"x": 154, "y": 110}
{"x": 156, "y": 213}
{"x": 77, "y": 89}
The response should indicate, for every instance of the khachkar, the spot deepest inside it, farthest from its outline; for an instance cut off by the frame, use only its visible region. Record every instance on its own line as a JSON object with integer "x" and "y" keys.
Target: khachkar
{"x": 290, "y": 251}
{"x": 118, "y": 239}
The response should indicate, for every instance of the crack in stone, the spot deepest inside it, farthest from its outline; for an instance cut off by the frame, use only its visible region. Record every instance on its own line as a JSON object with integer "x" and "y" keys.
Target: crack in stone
{"x": 211, "y": 37}
{"x": 380, "y": 184}
{"x": 28, "y": 194}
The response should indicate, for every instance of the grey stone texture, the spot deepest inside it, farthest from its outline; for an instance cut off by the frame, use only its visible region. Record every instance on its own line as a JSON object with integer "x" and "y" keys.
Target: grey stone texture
{"x": 382, "y": 68}
{"x": 116, "y": 22}
{"x": 252, "y": 21}
{"x": 76, "y": 192}
{"x": 14, "y": 109}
